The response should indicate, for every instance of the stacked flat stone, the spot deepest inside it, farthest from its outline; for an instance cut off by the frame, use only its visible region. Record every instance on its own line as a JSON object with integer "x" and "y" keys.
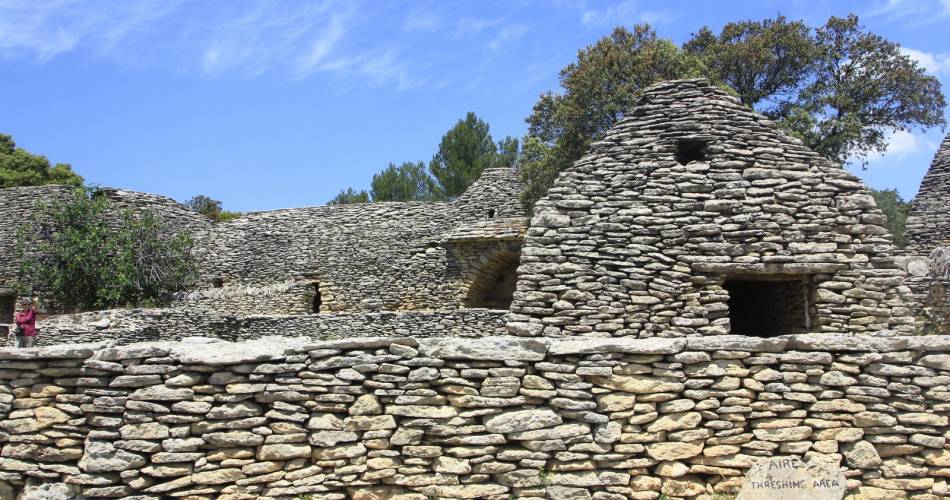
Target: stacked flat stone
{"x": 631, "y": 242}
{"x": 126, "y": 326}
{"x": 365, "y": 257}
{"x": 376, "y": 256}
{"x": 493, "y": 418}
{"x": 928, "y": 223}
{"x": 18, "y": 205}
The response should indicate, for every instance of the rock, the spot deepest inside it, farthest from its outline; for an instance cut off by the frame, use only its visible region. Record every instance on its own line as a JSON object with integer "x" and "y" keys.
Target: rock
{"x": 862, "y": 455}
{"x": 43, "y": 417}
{"x": 233, "y": 439}
{"x": 638, "y": 384}
{"x": 523, "y": 420}
{"x": 240, "y": 409}
{"x": 162, "y": 393}
{"x": 496, "y": 348}
{"x": 673, "y": 450}
{"x": 148, "y": 430}
{"x": 623, "y": 344}
{"x": 366, "y": 404}
{"x": 103, "y": 456}
{"x": 788, "y": 478}
{"x": 283, "y": 451}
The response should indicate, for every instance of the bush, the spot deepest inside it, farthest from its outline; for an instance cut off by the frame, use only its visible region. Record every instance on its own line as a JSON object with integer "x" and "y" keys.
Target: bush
{"x": 82, "y": 254}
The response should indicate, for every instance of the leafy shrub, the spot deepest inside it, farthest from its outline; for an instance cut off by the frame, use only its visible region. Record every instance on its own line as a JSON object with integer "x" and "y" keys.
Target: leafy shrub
{"x": 81, "y": 254}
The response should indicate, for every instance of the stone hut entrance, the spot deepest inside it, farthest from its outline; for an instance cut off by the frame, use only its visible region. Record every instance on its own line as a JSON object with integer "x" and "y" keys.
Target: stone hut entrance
{"x": 7, "y": 308}
{"x": 494, "y": 285}
{"x": 763, "y": 306}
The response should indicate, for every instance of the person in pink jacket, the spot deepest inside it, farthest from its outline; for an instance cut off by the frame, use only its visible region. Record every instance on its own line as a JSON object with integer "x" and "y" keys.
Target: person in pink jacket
{"x": 26, "y": 320}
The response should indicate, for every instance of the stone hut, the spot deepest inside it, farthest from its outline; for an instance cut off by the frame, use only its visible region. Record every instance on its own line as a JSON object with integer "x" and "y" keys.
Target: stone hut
{"x": 928, "y": 224}
{"x": 18, "y": 204}
{"x": 927, "y": 257}
{"x": 697, "y": 216}
{"x": 392, "y": 256}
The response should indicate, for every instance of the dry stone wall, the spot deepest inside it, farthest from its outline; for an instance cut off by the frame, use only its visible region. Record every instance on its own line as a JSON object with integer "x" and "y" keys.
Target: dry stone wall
{"x": 363, "y": 257}
{"x": 928, "y": 225}
{"x": 690, "y": 190}
{"x": 126, "y": 326}
{"x": 374, "y": 256}
{"x": 496, "y": 418}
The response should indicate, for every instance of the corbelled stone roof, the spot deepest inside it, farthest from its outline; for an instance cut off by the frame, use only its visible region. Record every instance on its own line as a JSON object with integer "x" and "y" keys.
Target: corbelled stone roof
{"x": 928, "y": 225}
{"x": 690, "y": 189}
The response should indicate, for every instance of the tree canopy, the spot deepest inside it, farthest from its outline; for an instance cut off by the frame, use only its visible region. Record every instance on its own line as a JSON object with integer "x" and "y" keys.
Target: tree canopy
{"x": 838, "y": 87}
{"x": 348, "y": 196}
{"x": 80, "y": 256}
{"x": 465, "y": 151}
{"x": 211, "y": 208}
{"x": 19, "y": 167}
{"x": 895, "y": 210}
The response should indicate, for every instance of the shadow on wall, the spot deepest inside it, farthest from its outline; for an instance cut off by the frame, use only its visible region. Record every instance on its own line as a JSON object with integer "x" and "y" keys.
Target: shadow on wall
{"x": 494, "y": 283}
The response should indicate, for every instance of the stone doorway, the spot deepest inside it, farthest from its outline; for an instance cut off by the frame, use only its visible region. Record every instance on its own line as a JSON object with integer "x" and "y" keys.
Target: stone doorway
{"x": 7, "y": 307}
{"x": 494, "y": 285}
{"x": 768, "y": 306}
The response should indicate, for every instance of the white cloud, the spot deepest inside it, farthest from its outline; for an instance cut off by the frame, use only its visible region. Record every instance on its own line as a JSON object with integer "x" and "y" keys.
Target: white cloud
{"x": 901, "y": 144}
{"x": 946, "y": 6}
{"x": 626, "y": 12}
{"x": 507, "y": 35}
{"x": 933, "y": 63}
{"x": 419, "y": 20}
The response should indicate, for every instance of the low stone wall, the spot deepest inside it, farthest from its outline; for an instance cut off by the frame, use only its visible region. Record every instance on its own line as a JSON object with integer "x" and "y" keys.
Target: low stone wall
{"x": 126, "y": 326}
{"x": 496, "y": 417}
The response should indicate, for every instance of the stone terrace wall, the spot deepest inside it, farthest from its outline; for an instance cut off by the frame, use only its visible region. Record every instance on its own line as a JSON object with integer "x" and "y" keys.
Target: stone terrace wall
{"x": 126, "y": 326}
{"x": 18, "y": 204}
{"x": 629, "y": 241}
{"x": 497, "y": 417}
{"x": 371, "y": 256}
{"x": 928, "y": 225}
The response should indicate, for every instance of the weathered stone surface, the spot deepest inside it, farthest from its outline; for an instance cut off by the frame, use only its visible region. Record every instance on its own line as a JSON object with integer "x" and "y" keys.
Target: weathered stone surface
{"x": 102, "y": 456}
{"x": 498, "y": 348}
{"x": 788, "y": 478}
{"x": 523, "y": 420}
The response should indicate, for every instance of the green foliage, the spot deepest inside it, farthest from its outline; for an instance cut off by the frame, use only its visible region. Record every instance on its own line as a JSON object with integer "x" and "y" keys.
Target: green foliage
{"x": 18, "y": 167}
{"x": 78, "y": 260}
{"x": 896, "y": 211}
{"x": 465, "y": 151}
{"x": 862, "y": 87}
{"x": 406, "y": 182}
{"x": 839, "y": 88}
{"x": 211, "y": 208}
{"x": 597, "y": 90}
{"x": 763, "y": 61}
{"x": 349, "y": 196}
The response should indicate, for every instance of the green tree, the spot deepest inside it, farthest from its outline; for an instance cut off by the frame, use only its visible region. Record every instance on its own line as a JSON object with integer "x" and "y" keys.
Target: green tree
{"x": 896, "y": 211}
{"x": 839, "y": 88}
{"x": 597, "y": 90}
{"x": 82, "y": 254}
{"x": 465, "y": 151}
{"x": 18, "y": 167}
{"x": 406, "y": 182}
{"x": 349, "y": 196}
{"x": 861, "y": 87}
{"x": 764, "y": 62}
{"x": 211, "y": 208}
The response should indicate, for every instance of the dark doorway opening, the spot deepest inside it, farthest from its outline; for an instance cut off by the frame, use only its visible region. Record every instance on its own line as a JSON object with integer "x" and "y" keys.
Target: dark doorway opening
{"x": 317, "y": 298}
{"x": 495, "y": 285}
{"x": 767, "y": 307}
{"x": 217, "y": 283}
{"x": 689, "y": 151}
{"x": 7, "y": 307}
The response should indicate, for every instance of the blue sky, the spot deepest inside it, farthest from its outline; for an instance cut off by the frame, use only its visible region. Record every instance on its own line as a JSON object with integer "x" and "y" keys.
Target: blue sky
{"x": 269, "y": 104}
